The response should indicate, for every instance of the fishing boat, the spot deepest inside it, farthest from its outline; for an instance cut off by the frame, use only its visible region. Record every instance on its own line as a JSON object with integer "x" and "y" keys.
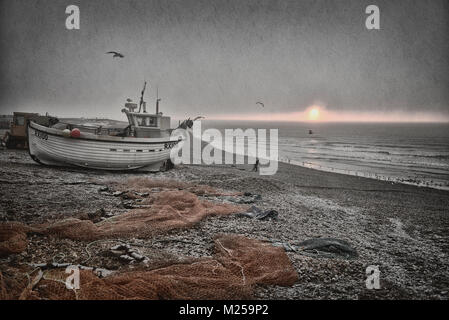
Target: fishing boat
{"x": 144, "y": 143}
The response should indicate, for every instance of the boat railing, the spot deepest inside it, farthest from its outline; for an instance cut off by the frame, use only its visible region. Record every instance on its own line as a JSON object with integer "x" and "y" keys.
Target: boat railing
{"x": 98, "y": 130}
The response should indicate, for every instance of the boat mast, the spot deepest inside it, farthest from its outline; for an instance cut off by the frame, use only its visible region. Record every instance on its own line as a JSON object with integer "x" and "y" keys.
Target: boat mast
{"x": 141, "y": 98}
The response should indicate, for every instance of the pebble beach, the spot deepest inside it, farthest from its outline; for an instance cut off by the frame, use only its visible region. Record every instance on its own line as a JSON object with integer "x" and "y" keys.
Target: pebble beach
{"x": 400, "y": 228}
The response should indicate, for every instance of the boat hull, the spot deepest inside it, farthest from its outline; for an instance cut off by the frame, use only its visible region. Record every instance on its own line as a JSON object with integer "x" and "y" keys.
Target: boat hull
{"x": 49, "y": 146}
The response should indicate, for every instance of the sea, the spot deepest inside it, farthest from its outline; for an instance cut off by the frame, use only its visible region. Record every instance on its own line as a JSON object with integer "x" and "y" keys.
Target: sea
{"x": 411, "y": 153}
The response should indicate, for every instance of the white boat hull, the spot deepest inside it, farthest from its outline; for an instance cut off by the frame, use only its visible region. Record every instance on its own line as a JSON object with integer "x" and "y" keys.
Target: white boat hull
{"x": 50, "y": 147}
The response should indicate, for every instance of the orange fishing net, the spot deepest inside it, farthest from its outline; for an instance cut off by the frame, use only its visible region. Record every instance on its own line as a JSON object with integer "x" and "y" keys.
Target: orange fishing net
{"x": 143, "y": 185}
{"x": 160, "y": 212}
{"x": 238, "y": 264}
{"x": 12, "y": 238}
{"x": 3, "y": 293}
{"x": 166, "y": 210}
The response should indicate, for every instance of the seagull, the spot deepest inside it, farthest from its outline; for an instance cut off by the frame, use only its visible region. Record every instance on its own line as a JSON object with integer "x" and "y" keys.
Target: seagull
{"x": 263, "y": 106}
{"x": 116, "y": 54}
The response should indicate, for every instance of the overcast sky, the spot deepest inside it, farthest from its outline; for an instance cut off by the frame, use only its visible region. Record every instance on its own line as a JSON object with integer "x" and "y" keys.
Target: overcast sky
{"x": 217, "y": 57}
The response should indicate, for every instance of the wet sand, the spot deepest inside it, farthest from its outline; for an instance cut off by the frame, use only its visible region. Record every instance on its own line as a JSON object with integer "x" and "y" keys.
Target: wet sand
{"x": 401, "y": 228}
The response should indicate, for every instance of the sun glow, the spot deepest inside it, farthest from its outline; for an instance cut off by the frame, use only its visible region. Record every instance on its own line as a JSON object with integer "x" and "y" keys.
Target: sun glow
{"x": 319, "y": 113}
{"x": 314, "y": 113}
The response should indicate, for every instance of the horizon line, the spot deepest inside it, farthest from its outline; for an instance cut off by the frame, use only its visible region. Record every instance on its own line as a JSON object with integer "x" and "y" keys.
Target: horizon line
{"x": 342, "y": 120}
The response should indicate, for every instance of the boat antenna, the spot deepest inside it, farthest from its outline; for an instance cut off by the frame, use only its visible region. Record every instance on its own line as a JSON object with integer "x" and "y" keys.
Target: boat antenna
{"x": 141, "y": 97}
{"x": 157, "y": 100}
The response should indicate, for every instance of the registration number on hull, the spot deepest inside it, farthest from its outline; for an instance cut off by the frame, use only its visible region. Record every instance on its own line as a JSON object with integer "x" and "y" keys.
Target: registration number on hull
{"x": 41, "y": 135}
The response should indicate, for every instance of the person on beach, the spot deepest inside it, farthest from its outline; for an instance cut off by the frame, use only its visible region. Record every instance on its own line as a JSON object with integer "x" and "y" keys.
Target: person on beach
{"x": 256, "y": 165}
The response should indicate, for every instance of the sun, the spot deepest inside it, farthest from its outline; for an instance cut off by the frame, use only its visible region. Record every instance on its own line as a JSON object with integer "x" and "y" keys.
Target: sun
{"x": 314, "y": 113}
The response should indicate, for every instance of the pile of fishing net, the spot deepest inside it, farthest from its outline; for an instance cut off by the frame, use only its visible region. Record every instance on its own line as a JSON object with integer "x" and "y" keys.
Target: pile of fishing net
{"x": 13, "y": 238}
{"x": 143, "y": 185}
{"x": 165, "y": 211}
{"x": 237, "y": 265}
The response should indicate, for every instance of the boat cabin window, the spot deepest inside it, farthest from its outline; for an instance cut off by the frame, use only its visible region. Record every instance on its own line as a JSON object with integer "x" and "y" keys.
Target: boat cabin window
{"x": 19, "y": 121}
{"x": 146, "y": 121}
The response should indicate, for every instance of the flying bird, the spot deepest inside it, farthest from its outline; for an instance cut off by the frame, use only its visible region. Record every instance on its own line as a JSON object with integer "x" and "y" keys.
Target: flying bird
{"x": 116, "y": 54}
{"x": 263, "y": 106}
